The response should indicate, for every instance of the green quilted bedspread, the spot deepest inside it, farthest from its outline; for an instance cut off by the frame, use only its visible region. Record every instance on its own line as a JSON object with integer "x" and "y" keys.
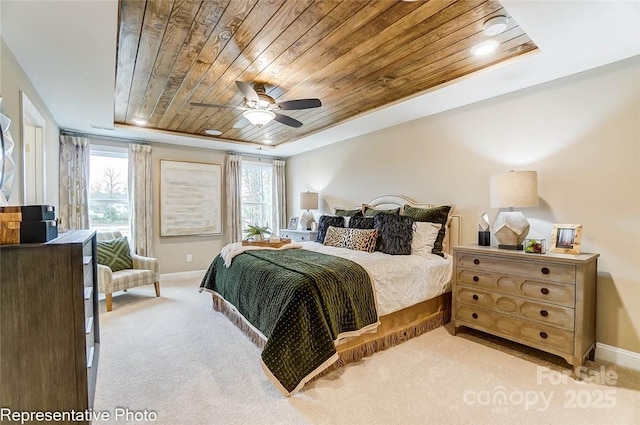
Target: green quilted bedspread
{"x": 301, "y": 301}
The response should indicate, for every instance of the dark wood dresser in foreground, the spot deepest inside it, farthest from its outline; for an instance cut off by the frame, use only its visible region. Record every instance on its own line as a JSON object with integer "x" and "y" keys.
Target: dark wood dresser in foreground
{"x": 49, "y": 330}
{"x": 545, "y": 301}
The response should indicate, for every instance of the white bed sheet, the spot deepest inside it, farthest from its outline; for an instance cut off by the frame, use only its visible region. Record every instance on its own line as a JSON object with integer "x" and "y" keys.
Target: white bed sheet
{"x": 399, "y": 281}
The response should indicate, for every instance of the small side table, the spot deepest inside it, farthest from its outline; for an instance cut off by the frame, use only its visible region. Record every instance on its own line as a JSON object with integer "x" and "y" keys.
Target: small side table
{"x": 299, "y": 235}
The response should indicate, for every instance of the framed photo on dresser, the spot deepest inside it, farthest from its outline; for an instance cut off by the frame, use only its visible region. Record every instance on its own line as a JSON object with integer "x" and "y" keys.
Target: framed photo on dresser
{"x": 566, "y": 238}
{"x": 293, "y": 223}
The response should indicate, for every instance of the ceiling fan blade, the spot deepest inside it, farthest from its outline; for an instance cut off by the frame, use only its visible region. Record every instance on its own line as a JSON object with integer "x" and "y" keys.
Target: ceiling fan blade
{"x": 248, "y": 91}
{"x": 299, "y": 104}
{"x": 213, "y": 105}
{"x": 291, "y": 122}
{"x": 241, "y": 123}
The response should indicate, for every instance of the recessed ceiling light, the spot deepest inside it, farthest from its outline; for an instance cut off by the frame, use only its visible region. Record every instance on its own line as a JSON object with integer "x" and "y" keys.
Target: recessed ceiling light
{"x": 485, "y": 48}
{"x": 268, "y": 141}
{"x": 139, "y": 121}
{"x": 213, "y": 132}
{"x": 496, "y": 25}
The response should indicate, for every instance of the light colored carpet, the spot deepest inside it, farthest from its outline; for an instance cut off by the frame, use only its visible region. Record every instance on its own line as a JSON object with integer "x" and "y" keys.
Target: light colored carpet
{"x": 188, "y": 364}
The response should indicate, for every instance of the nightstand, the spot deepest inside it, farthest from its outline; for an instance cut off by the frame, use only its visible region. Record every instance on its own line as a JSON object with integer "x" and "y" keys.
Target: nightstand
{"x": 545, "y": 301}
{"x": 299, "y": 235}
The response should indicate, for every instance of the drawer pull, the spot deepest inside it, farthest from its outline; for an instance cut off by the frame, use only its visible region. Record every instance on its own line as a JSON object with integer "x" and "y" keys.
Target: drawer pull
{"x": 543, "y": 335}
{"x": 301, "y": 238}
{"x": 474, "y": 315}
{"x": 544, "y": 291}
{"x": 475, "y": 297}
{"x": 545, "y": 270}
{"x": 544, "y": 313}
{"x": 476, "y": 278}
{"x": 476, "y": 261}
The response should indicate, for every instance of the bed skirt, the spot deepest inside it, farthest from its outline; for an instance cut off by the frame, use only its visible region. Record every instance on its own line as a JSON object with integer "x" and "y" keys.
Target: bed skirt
{"x": 394, "y": 328}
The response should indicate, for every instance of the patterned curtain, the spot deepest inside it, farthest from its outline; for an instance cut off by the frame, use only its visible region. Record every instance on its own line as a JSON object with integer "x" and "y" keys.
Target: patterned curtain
{"x": 140, "y": 199}
{"x": 74, "y": 179}
{"x": 279, "y": 196}
{"x": 233, "y": 171}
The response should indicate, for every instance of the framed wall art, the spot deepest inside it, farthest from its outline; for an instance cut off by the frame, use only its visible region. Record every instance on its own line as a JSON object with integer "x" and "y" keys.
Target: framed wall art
{"x": 565, "y": 238}
{"x": 190, "y": 198}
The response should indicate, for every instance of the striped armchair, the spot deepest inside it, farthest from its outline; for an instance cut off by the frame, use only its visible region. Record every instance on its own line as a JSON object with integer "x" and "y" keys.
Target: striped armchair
{"x": 144, "y": 272}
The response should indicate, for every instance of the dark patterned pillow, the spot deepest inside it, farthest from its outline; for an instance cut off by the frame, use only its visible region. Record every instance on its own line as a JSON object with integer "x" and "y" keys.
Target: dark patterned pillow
{"x": 114, "y": 254}
{"x": 324, "y": 223}
{"x": 395, "y": 233}
{"x": 369, "y": 211}
{"x": 348, "y": 213}
{"x": 438, "y": 215}
{"x": 361, "y": 222}
{"x": 356, "y": 239}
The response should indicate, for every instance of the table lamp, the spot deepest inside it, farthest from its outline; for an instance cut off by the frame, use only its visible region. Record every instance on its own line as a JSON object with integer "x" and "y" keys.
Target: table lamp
{"x": 308, "y": 201}
{"x": 515, "y": 189}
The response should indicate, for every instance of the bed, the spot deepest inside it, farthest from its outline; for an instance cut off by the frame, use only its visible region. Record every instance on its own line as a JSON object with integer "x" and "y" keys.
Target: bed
{"x": 389, "y": 299}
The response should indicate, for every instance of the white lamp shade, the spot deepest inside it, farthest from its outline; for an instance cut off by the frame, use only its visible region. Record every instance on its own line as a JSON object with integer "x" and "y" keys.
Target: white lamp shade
{"x": 259, "y": 116}
{"x": 308, "y": 201}
{"x": 514, "y": 189}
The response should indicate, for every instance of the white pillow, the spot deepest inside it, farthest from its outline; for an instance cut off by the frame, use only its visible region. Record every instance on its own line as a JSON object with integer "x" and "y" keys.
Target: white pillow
{"x": 424, "y": 236}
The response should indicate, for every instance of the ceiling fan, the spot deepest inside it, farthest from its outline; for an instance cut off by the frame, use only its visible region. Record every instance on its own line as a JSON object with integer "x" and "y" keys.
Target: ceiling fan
{"x": 259, "y": 107}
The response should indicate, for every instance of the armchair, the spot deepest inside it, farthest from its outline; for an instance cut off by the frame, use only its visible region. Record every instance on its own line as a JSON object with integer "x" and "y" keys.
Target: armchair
{"x": 144, "y": 272}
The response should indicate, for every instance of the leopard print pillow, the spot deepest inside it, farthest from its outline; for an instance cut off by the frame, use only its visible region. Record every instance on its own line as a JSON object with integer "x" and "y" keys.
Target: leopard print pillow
{"x": 356, "y": 239}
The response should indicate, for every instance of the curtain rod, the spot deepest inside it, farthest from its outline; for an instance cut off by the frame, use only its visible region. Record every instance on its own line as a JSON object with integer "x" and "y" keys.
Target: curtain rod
{"x": 121, "y": 139}
{"x": 255, "y": 156}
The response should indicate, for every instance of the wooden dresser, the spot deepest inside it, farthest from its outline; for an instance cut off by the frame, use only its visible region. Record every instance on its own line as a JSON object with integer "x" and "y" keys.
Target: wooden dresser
{"x": 49, "y": 324}
{"x": 546, "y": 301}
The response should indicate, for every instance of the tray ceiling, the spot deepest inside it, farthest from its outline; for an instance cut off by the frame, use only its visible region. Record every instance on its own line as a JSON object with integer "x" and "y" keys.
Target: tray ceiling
{"x": 355, "y": 56}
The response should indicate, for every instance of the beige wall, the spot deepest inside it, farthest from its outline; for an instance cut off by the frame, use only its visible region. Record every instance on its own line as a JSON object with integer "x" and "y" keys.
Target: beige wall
{"x": 13, "y": 80}
{"x": 172, "y": 251}
{"x": 582, "y": 135}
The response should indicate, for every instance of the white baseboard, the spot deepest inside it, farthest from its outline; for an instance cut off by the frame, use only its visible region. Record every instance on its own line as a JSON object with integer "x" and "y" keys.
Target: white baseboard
{"x": 618, "y": 356}
{"x": 194, "y": 274}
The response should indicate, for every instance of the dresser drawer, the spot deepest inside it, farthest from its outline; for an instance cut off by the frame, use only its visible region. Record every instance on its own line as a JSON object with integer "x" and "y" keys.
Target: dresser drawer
{"x": 519, "y": 286}
{"x": 564, "y": 273}
{"x": 550, "y": 314}
{"x": 299, "y": 236}
{"x": 534, "y": 334}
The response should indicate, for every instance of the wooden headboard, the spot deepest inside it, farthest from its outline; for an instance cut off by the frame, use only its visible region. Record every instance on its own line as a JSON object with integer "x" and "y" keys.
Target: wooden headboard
{"x": 454, "y": 233}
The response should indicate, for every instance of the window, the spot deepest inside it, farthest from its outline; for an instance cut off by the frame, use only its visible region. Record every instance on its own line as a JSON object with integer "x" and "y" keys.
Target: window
{"x": 257, "y": 194}
{"x": 108, "y": 190}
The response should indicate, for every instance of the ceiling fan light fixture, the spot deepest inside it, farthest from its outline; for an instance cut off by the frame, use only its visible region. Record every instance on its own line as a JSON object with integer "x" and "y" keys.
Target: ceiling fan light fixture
{"x": 496, "y": 25}
{"x": 485, "y": 48}
{"x": 259, "y": 117}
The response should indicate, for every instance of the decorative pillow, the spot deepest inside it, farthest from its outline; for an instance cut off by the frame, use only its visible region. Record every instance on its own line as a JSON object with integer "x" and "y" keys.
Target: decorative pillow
{"x": 424, "y": 236}
{"x": 369, "y": 211}
{"x": 348, "y": 213}
{"x": 356, "y": 239}
{"x": 438, "y": 215}
{"x": 395, "y": 233}
{"x": 324, "y": 223}
{"x": 359, "y": 222}
{"x": 115, "y": 254}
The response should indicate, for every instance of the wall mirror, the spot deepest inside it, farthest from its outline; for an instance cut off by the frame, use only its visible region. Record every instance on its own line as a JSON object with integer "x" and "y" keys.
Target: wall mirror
{"x": 33, "y": 153}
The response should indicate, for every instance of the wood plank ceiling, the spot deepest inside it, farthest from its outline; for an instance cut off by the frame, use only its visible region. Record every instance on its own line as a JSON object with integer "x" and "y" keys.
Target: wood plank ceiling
{"x": 354, "y": 55}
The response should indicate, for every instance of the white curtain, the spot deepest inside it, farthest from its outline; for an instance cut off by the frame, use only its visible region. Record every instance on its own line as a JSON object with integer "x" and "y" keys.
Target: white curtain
{"x": 233, "y": 177}
{"x": 74, "y": 179}
{"x": 140, "y": 199}
{"x": 279, "y": 195}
